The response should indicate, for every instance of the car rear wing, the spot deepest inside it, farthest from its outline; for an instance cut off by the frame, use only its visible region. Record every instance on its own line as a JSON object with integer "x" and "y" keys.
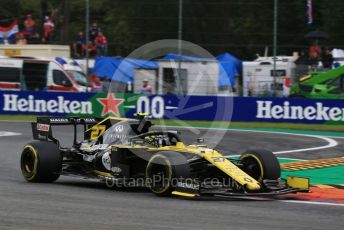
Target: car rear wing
{"x": 42, "y": 128}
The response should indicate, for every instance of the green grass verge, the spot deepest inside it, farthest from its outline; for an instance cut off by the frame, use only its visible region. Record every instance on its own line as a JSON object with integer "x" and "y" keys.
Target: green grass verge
{"x": 220, "y": 124}
{"x": 18, "y": 117}
{"x": 328, "y": 175}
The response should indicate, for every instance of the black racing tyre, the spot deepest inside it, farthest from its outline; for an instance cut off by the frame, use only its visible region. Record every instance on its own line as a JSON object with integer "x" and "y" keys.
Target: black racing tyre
{"x": 163, "y": 170}
{"x": 261, "y": 165}
{"x": 41, "y": 161}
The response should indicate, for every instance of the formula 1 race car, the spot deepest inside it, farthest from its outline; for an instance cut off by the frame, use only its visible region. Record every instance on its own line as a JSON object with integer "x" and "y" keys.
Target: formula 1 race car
{"x": 126, "y": 152}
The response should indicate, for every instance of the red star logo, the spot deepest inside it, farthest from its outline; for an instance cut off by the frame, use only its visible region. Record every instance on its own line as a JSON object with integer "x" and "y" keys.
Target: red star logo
{"x": 110, "y": 104}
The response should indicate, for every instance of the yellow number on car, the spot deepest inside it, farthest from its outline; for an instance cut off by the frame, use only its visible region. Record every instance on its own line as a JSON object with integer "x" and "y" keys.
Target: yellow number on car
{"x": 97, "y": 131}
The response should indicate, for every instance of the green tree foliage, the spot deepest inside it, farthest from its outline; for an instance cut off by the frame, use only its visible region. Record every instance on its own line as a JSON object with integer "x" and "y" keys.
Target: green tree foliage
{"x": 243, "y": 28}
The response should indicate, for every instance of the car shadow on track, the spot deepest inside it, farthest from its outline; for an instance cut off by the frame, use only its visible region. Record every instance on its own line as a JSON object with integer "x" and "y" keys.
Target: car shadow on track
{"x": 144, "y": 191}
{"x": 101, "y": 186}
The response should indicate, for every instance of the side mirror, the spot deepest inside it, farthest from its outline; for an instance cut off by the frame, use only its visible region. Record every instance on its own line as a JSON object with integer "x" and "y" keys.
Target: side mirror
{"x": 200, "y": 140}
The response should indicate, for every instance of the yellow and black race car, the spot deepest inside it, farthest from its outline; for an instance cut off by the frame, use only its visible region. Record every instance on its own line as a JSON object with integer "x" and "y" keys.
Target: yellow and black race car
{"x": 126, "y": 152}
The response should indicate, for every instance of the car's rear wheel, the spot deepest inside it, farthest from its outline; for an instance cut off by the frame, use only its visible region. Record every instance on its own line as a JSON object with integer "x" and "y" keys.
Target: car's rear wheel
{"x": 163, "y": 170}
{"x": 41, "y": 161}
{"x": 261, "y": 165}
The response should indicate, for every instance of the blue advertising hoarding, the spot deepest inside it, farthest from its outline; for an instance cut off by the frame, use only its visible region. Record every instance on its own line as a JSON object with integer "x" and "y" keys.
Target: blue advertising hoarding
{"x": 204, "y": 108}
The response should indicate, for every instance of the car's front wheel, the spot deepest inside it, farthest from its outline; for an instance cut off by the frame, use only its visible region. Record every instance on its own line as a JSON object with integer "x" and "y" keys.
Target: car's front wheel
{"x": 261, "y": 165}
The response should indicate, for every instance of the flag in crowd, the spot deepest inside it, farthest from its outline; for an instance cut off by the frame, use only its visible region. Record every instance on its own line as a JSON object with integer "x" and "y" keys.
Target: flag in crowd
{"x": 9, "y": 32}
{"x": 310, "y": 12}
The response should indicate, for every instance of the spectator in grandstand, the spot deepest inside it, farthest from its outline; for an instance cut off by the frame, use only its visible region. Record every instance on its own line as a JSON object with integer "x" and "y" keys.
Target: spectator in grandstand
{"x": 29, "y": 31}
{"x": 101, "y": 44}
{"x": 146, "y": 88}
{"x": 315, "y": 52}
{"x": 327, "y": 59}
{"x": 48, "y": 28}
{"x": 33, "y": 37}
{"x": 92, "y": 49}
{"x": 79, "y": 45}
{"x": 29, "y": 24}
{"x": 94, "y": 31}
{"x": 20, "y": 39}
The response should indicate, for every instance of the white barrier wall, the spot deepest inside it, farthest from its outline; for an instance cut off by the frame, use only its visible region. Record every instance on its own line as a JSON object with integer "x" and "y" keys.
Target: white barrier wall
{"x": 35, "y": 50}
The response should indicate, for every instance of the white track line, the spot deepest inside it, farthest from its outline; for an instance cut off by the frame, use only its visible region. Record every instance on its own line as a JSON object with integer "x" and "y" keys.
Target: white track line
{"x": 331, "y": 143}
{"x": 8, "y": 134}
{"x": 336, "y": 137}
{"x": 312, "y": 202}
{"x": 289, "y": 201}
{"x": 293, "y": 159}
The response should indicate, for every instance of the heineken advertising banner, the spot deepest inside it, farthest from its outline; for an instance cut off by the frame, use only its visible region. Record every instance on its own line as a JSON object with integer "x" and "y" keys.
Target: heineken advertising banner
{"x": 207, "y": 108}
